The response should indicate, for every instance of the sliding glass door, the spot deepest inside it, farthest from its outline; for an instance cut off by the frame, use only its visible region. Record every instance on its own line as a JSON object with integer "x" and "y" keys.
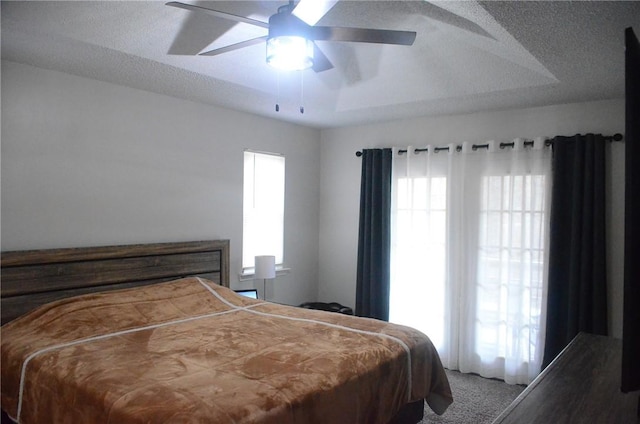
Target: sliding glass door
{"x": 469, "y": 233}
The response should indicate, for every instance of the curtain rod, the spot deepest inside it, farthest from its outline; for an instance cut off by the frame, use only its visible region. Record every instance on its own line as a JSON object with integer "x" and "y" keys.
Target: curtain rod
{"x": 615, "y": 137}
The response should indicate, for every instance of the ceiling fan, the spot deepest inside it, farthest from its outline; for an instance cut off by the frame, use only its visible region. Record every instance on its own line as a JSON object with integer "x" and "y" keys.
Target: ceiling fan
{"x": 292, "y": 34}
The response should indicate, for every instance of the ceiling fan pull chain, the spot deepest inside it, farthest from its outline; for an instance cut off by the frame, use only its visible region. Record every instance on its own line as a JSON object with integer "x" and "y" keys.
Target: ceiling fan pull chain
{"x": 278, "y": 91}
{"x": 301, "y": 92}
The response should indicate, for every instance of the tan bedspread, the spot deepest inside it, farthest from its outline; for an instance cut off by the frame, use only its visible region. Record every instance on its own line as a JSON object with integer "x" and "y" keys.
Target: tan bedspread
{"x": 192, "y": 351}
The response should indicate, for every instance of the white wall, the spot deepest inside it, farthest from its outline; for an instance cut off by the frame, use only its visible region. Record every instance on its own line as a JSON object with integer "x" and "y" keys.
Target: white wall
{"x": 340, "y": 178}
{"x": 88, "y": 163}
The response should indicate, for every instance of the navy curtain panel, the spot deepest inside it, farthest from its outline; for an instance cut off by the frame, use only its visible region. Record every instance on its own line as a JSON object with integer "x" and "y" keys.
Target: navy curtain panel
{"x": 577, "y": 293}
{"x": 374, "y": 235}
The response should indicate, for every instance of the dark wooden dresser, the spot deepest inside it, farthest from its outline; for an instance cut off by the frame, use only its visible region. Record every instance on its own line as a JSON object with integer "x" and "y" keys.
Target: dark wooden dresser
{"x": 582, "y": 385}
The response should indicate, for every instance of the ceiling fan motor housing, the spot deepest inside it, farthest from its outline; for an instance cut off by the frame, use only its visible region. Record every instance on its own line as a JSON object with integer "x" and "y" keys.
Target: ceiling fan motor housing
{"x": 288, "y": 44}
{"x": 285, "y": 24}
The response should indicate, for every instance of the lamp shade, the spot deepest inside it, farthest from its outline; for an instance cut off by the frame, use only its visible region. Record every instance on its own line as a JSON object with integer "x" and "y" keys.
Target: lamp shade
{"x": 265, "y": 267}
{"x": 290, "y": 52}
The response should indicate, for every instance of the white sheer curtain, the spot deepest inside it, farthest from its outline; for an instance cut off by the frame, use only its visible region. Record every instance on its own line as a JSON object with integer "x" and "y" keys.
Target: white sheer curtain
{"x": 469, "y": 252}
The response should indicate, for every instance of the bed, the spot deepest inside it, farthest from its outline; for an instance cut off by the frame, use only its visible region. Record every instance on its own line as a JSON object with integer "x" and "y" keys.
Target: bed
{"x": 152, "y": 333}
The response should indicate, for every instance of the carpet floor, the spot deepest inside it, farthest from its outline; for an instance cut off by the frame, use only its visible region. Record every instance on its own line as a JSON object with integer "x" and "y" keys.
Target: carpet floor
{"x": 476, "y": 400}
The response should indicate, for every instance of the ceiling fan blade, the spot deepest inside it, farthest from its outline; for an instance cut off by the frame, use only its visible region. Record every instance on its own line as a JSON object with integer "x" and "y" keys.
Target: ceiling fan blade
{"x": 320, "y": 61}
{"x": 311, "y": 11}
{"x": 218, "y": 14}
{"x": 235, "y": 46}
{"x": 362, "y": 35}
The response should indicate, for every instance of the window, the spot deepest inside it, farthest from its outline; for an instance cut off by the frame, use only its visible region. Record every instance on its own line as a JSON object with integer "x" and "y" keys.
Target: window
{"x": 263, "y": 208}
{"x": 511, "y": 256}
{"x": 420, "y": 244}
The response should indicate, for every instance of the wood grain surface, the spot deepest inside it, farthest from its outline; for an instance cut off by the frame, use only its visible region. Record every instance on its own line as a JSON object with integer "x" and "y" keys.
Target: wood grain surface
{"x": 32, "y": 278}
{"x": 582, "y": 385}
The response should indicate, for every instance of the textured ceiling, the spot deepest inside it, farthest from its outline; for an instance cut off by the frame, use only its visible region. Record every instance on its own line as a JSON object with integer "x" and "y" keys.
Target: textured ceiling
{"x": 468, "y": 56}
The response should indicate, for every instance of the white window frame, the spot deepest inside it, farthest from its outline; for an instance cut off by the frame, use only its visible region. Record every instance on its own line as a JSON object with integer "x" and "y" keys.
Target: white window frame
{"x": 263, "y": 208}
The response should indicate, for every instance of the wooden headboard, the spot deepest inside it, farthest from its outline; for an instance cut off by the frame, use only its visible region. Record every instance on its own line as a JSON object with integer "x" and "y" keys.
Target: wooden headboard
{"x": 31, "y": 278}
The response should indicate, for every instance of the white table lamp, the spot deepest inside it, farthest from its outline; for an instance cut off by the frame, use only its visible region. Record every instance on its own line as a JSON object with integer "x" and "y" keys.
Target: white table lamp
{"x": 265, "y": 267}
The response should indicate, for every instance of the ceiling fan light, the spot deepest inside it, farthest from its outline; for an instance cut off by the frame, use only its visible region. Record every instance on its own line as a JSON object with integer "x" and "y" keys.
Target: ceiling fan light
{"x": 290, "y": 52}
